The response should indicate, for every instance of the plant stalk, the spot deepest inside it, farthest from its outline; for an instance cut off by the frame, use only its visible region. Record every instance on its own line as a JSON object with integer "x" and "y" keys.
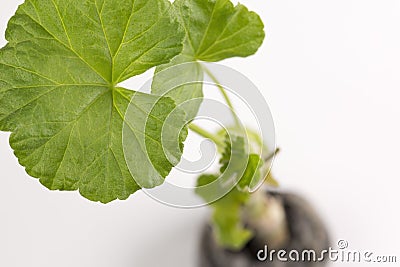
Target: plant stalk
{"x": 224, "y": 94}
{"x": 200, "y": 131}
{"x": 267, "y": 216}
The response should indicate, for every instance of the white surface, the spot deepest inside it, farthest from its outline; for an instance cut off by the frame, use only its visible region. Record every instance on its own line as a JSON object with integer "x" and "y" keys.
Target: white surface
{"x": 330, "y": 71}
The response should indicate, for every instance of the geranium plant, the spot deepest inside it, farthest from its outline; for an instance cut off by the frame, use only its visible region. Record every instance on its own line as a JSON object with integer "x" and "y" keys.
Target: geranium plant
{"x": 61, "y": 98}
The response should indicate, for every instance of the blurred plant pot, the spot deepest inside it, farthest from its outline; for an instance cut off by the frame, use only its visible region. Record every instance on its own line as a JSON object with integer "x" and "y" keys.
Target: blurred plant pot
{"x": 305, "y": 232}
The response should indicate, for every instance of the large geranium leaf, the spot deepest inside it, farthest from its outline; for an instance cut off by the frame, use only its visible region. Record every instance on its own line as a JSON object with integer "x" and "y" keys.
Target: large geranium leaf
{"x": 215, "y": 30}
{"x": 59, "y": 96}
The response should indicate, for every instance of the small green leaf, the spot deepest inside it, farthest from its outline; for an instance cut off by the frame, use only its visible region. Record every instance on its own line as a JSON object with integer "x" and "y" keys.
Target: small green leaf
{"x": 227, "y": 222}
{"x": 182, "y": 80}
{"x": 215, "y": 30}
{"x": 241, "y": 162}
{"x": 59, "y": 97}
{"x": 229, "y": 228}
{"x": 252, "y": 172}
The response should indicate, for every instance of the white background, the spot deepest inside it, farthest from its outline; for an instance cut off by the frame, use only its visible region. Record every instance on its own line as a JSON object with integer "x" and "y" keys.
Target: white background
{"x": 330, "y": 71}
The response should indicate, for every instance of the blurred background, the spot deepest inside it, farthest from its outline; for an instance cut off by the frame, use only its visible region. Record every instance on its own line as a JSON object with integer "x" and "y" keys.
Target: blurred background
{"x": 330, "y": 71}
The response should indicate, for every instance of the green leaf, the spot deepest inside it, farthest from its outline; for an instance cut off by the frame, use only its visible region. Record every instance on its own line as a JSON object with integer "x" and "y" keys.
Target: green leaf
{"x": 234, "y": 160}
{"x": 252, "y": 172}
{"x": 215, "y": 30}
{"x": 227, "y": 211}
{"x": 228, "y": 226}
{"x": 237, "y": 159}
{"x": 182, "y": 80}
{"x": 59, "y": 95}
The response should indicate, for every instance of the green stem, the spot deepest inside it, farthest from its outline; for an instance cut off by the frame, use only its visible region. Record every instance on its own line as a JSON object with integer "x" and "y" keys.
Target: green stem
{"x": 273, "y": 154}
{"x": 200, "y": 131}
{"x": 224, "y": 94}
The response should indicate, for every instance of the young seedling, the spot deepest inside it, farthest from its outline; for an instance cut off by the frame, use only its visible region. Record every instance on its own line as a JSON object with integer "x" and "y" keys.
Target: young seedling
{"x": 61, "y": 99}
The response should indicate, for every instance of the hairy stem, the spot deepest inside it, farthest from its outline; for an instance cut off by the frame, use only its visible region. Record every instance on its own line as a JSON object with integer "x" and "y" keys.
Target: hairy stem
{"x": 224, "y": 94}
{"x": 200, "y": 131}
